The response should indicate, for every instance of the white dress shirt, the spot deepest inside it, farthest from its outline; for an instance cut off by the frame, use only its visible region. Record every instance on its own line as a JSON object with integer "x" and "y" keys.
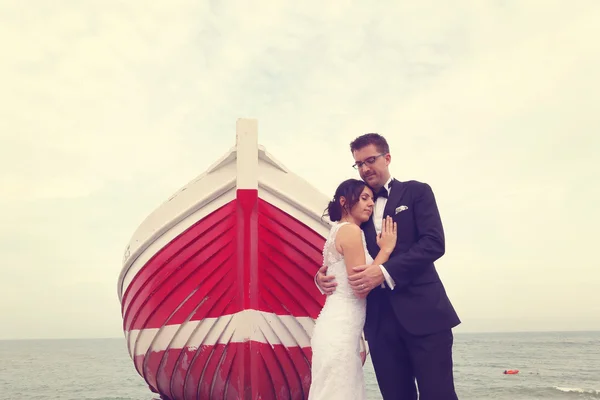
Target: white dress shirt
{"x": 378, "y": 221}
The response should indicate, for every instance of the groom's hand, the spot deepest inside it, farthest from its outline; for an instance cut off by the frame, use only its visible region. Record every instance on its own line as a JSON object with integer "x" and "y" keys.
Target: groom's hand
{"x": 327, "y": 283}
{"x": 365, "y": 278}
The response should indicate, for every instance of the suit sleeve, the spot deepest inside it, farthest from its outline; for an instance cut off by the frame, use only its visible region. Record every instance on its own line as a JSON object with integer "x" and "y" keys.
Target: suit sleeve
{"x": 430, "y": 244}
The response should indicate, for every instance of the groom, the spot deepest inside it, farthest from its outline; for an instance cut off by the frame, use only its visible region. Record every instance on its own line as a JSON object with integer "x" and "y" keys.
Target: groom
{"x": 409, "y": 316}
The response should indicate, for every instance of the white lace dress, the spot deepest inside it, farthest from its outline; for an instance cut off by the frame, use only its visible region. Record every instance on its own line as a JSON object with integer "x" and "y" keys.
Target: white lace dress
{"x": 337, "y": 372}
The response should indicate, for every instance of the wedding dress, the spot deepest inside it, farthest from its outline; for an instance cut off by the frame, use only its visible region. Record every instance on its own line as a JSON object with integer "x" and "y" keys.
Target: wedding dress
{"x": 337, "y": 371}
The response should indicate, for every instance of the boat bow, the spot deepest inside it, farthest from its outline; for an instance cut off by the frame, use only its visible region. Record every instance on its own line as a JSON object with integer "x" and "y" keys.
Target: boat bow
{"x": 217, "y": 285}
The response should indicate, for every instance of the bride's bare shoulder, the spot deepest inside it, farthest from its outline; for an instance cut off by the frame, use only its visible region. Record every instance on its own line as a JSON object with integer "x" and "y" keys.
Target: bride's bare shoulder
{"x": 349, "y": 234}
{"x": 349, "y": 229}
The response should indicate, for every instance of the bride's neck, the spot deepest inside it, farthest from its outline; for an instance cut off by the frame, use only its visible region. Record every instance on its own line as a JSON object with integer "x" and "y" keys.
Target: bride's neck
{"x": 348, "y": 218}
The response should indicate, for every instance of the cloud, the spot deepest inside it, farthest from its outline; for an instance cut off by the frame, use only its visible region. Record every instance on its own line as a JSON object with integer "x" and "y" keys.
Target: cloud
{"x": 109, "y": 108}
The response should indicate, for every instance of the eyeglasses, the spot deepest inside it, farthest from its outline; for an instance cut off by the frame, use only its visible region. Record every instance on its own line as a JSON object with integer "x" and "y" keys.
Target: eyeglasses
{"x": 368, "y": 161}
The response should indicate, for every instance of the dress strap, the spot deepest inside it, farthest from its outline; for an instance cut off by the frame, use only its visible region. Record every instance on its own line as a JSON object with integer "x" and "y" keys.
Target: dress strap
{"x": 330, "y": 254}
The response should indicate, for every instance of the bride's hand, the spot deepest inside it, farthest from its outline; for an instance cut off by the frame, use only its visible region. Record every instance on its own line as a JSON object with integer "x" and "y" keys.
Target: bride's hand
{"x": 386, "y": 240}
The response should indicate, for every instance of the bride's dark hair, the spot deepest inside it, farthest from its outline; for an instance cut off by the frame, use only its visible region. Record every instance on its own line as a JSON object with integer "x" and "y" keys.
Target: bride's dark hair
{"x": 351, "y": 190}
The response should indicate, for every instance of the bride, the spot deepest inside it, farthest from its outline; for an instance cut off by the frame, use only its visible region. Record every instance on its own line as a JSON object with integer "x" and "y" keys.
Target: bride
{"x": 336, "y": 362}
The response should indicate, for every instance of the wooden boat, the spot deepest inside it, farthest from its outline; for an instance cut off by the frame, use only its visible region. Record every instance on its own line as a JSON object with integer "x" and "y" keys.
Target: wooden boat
{"x": 217, "y": 292}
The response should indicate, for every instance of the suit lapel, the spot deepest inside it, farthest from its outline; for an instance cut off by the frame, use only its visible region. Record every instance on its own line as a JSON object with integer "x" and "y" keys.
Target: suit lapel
{"x": 396, "y": 192}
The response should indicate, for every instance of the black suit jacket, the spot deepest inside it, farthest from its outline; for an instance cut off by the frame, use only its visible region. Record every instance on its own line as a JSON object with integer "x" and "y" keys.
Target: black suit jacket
{"x": 419, "y": 300}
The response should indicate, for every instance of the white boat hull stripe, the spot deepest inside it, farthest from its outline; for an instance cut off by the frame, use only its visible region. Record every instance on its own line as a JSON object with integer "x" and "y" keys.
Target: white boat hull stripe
{"x": 244, "y": 326}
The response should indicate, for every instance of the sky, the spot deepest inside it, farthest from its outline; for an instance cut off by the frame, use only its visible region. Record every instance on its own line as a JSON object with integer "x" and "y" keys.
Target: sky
{"x": 107, "y": 108}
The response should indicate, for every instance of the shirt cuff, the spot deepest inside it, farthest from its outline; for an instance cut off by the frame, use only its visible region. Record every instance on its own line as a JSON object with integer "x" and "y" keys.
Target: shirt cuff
{"x": 318, "y": 287}
{"x": 388, "y": 278}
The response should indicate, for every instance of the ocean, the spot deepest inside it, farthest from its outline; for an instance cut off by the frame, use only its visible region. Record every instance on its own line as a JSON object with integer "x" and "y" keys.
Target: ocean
{"x": 553, "y": 365}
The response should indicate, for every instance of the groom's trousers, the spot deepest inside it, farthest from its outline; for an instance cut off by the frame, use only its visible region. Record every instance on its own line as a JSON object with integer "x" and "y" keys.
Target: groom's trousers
{"x": 400, "y": 358}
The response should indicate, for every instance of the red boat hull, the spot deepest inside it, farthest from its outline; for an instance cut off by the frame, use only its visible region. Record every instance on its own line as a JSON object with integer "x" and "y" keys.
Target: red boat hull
{"x": 225, "y": 310}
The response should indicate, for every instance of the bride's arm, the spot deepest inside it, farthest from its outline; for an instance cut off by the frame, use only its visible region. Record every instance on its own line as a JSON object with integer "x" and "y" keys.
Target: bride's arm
{"x": 349, "y": 243}
{"x": 382, "y": 256}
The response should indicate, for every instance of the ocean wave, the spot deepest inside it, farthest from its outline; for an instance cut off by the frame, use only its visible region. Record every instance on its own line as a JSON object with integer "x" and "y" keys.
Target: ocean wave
{"x": 594, "y": 393}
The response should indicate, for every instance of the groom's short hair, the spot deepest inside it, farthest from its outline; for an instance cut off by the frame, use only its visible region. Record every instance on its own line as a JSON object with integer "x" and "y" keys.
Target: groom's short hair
{"x": 370, "y": 138}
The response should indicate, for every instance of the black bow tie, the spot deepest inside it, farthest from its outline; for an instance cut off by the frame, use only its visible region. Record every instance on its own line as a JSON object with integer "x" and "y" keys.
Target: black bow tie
{"x": 382, "y": 192}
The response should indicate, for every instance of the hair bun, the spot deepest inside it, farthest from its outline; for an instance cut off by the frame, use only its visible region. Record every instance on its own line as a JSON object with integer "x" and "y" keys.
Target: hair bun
{"x": 350, "y": 190}
{"x": 334, "y": 210}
